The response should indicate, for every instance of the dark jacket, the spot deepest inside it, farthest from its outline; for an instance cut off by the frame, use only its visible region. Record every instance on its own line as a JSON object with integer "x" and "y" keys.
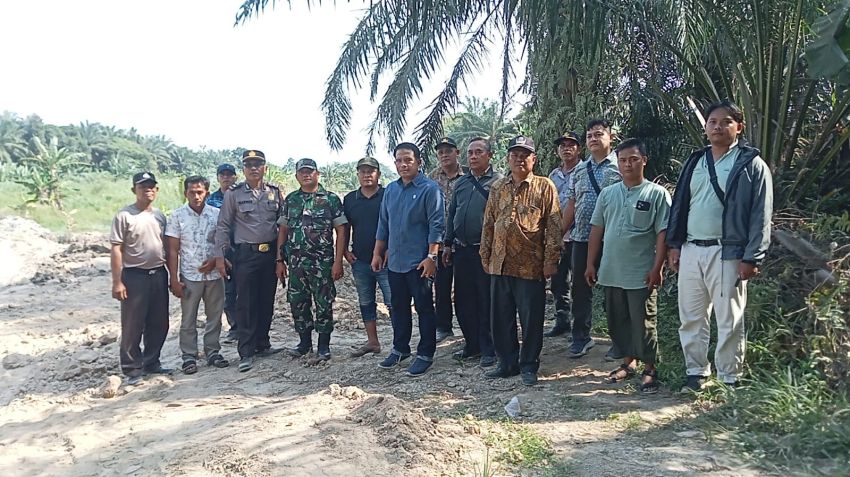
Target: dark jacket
{"x": 746, "y": 213}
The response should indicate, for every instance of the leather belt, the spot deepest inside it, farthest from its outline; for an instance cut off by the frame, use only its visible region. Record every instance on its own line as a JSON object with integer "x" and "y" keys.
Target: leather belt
{"x": 705, "y": 243}
{"x": 258, "y": 247}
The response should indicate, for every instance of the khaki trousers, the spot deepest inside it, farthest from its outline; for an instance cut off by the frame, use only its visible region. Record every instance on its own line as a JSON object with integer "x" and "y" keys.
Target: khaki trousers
{"x": 706, "y": 282}
{"x": 212, "y": 293}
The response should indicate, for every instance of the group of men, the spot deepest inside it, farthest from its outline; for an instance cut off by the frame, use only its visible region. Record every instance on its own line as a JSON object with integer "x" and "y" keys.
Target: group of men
{"x": 466, "y": 241}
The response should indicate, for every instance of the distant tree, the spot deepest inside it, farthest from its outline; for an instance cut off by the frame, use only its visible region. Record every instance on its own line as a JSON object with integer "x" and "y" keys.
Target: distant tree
{"x": 12, "y": 143}
{"x": 47, "y": 163}
{"x": 482, "y": 118}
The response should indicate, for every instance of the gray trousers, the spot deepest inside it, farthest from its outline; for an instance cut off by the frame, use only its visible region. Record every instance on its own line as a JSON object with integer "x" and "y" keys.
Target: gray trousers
{"x": 144, "y": 317}
{"x": 212, "y": 293}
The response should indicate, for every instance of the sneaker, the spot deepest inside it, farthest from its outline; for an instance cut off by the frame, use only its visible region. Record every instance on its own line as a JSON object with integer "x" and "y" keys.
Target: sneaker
{"x": 487, "y": 361}
{"x": 529, "y": 378}
{"x": 246, "y": 363}
{"x": 613, "y": 355}
{"x": 580, "y": 348}
{"x": 693, "y": 384}
{"x": 392, "y": 360}
{"x": 418, "y": 367}
{"x": 231, "y": 337}
{"x": 134, "y": 380}
{"x": 464, "y": 354}
{"x": 556, "y": 330}
{"x": 442, "y": 335}
{"x": 159, "y": 370}
{"x": 501, "y": 372}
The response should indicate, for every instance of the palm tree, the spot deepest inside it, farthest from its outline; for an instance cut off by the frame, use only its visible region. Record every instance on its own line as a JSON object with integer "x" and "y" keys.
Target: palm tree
{"x": 12, "y": 142}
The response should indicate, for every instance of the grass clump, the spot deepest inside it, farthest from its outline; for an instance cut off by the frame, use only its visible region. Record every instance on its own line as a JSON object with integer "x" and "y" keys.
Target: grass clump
{"x": 520, "y": 445}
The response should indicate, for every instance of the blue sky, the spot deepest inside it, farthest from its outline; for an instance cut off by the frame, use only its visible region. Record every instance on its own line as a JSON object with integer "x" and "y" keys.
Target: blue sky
{"x": 181, "y": 69}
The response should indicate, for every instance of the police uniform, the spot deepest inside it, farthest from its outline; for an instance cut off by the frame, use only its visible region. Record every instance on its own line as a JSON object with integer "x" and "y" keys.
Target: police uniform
{"x": 310, "y": 218}
{"x": 250, "y": 215}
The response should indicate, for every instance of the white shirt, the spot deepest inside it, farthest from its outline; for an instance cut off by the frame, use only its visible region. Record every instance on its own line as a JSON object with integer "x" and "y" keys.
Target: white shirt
{"x": 197, "y": 239}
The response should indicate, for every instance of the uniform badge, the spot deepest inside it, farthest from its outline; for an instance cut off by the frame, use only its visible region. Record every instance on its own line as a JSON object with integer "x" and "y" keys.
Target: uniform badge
{"x": 252, "y": 153}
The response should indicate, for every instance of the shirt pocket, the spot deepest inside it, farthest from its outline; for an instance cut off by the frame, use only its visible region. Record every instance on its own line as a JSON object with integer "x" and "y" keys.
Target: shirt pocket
{"x": 640, "y": 216}
{"x": 246, "y": 208}
{"x": 528, "y": 217}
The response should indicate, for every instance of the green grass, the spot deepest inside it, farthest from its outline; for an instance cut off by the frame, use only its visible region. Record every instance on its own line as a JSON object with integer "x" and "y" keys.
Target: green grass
{"x": 520, "y": 445}
{"x": 630, "y": 421}
{"x": 91, "y": 201}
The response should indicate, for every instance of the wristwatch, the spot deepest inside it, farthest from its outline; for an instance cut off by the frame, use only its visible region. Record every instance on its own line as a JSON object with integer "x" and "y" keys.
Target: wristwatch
{"x": 432, "y": 256}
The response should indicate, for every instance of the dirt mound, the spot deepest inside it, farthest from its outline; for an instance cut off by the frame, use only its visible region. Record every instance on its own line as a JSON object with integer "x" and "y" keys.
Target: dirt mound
{"x": 24, "y": 246}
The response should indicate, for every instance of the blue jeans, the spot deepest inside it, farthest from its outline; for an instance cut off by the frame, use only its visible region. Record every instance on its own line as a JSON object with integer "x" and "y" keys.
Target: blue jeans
{"x": 407, "y": 286}
{"x": 365, "y": 280}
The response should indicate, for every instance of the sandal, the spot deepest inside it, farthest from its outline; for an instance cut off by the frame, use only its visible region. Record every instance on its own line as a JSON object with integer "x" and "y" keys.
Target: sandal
{"x": 218, "y": 361}
{"x": 189, "y": 367}
{"x": 617, "y": 375}
{"x": 650, "y": 387}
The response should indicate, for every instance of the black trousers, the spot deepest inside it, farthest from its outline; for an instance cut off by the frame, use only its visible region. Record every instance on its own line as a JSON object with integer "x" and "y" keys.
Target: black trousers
{"x": 582, "y": 294}
{"x": 144, "y": 317}
{"x": 443, "y": 295}
{"x": 509, "y": 297}
{"x": 230, "y": 295}
{"x": 561, "y": 283}
{"x": 472, "y": 301}
{"x": 256, "y": 284}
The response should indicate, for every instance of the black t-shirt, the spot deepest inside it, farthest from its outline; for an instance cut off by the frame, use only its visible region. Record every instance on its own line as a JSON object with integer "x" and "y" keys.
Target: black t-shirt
{"x": 362, "y": 214}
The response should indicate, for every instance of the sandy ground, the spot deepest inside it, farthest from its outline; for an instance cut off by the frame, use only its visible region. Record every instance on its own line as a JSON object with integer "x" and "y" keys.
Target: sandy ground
{"x": 345, "y": 418}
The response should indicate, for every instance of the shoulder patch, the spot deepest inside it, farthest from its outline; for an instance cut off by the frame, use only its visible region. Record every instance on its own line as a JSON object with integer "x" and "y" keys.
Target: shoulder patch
{"x": 273, "y": 185}
{"x": 236, "y": 185}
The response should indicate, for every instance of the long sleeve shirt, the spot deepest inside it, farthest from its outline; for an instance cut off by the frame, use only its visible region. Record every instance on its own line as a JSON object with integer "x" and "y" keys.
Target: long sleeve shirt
{"x": 412, "y": 217}
{"x": 466, "y": 212}
{"x": 522, "y": 228}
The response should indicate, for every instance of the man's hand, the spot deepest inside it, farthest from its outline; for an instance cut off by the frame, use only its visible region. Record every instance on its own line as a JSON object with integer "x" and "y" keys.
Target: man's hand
{"x": 119, "y": 292}
{"x": 549, "y": 271}
{"x": 336, "y": 271}
{"x": 673, "y": 259}
{"x": 447, "y": 256}
{"x": 177, "y": 287}
{"x": 654, "y": 278}
{"x": 590, "y": 275}
{"x": 428, "y": 267}
{"x": 378, "y": 263}
{"x": 280, "y": 271}
{"x": 349, "y": 257}
{"x": 207, "y": 266}
{"x": 220, "y": 266}
{"x": 747, "y": 271}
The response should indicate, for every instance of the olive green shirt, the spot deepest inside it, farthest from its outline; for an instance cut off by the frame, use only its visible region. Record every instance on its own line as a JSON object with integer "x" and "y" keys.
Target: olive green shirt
{"x": 632, "y": 218}
{"x": 705, "y": 218}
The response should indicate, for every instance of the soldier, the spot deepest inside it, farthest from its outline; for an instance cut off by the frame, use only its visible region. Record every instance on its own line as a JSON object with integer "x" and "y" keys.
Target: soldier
{"x": 445, "y": 175}
{"x": 462, "y": 246}
{"x": 249, "y": 212}
{"x": 311, "y": 258}
{"x": 226, "y": 175}
{"x": 191, "y": 238}
{"x": 139, "y": 280}
{"x": 362, "y": 208}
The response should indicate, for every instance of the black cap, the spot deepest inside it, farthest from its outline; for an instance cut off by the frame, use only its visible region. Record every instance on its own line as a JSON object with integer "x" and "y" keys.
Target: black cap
{"x": 368, "y": 161}
{"x": 568, "y": 136}
{"x": 446, "y": 141}
{"x": 225, "y": 168}
{"x": 140, "y": 177}
{"x": 253, "y": 154}
{"x": 522, "y": 141}
{"x": 305, "y": 163}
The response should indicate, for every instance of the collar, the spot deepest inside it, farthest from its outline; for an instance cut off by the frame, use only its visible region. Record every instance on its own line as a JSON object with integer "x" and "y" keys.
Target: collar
{"x": 642, "y": 183}
{"x": 526, "y": 180}
{"x": 359, "y": 194}
{"x": 418, "y": 179}
{"x": 319, "y": 191}
{"x": 460, "y": 172}
{"x": 487, "y": 173}
{"x": 610, "y": 158}
{"x": 261, "y": 188}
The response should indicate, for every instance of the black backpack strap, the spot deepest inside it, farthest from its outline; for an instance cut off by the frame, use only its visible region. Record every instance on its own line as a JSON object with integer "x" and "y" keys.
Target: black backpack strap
{"x": 481, "y": 190}
{"x": 712, "y": 177}
{"x": 592, "y": 177}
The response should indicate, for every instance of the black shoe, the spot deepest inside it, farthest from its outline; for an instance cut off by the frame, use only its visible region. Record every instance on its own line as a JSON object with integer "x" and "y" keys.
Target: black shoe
{"x": 529, "y": 378}
{"x": 464, "y": 354}
{"x": 487, "y": 361}
{"x": 442, "y": 335}
{"x": 556, "y": 330}
{"x": 232, "y": 337}
{"x": 304, "y": 346}
{"x": 501, "y": 372}
{"x": 392, "y": 360}
{"x": 324, "y": 350}
{"x": 693, "y": 384}
{"x": 159, "y": 370}
{"x": 246, "y": 363}
{"x": 265, "y": 352}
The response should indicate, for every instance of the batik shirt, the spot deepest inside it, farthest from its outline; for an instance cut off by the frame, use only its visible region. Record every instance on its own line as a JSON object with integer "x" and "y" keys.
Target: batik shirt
{"x": 581, "y": 189}
{"x": 197, "y": 240}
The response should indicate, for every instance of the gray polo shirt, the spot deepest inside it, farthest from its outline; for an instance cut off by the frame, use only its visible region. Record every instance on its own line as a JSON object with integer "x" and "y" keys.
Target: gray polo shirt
{"x": 250, "y": 214}
{"x": 140, "y": 234}
{"x": 466, "y": 211}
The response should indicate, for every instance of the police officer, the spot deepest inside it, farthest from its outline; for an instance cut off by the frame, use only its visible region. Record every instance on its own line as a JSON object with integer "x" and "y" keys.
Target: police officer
{"x": 310, "y": 257}
{"x": 249, "y": 211}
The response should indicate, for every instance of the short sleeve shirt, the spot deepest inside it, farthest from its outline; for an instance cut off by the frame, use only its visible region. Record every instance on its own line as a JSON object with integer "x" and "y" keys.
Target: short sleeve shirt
{"x": 197, "y": 240}
{"x": 311, "y": 218}
{"x": 581, "y": 189}
{"x": 140, "y": 234}
{"x": 362, "y": 214}
{"x": 632, "y": 218}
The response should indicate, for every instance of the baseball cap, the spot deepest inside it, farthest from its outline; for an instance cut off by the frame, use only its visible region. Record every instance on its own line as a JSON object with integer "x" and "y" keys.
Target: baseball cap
{"x": 305, "y": 163}
{"x": 225, "y": 168}
{"x": 140, "y": 177}
{"x": 568, "y": 136}
{"x": 446, "y": 141}
{"x": 522, "y": 141}
{"x": 368, "y": 161}
{"x": 253, "y": 154}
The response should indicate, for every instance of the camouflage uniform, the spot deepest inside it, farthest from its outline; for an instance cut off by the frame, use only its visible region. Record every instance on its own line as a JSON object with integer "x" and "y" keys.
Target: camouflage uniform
{"x": 309, "y": 254}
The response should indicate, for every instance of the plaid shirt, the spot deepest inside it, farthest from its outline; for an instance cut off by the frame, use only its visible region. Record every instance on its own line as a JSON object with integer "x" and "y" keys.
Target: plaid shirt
{"x": 581, "y": 189}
